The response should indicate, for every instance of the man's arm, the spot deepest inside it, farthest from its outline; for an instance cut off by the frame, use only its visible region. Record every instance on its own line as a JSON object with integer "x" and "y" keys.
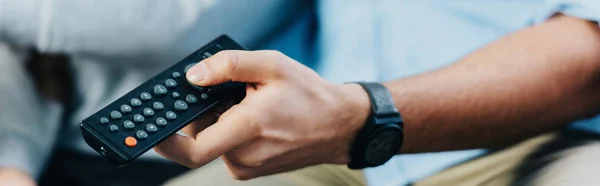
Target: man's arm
{"x": 529, "y": 82}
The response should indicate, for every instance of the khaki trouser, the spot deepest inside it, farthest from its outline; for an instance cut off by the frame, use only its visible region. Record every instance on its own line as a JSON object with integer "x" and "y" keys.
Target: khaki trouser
{"x": 559, "y": 158}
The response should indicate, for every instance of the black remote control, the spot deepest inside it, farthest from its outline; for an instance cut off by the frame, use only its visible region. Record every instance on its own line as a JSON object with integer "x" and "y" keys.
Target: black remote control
{"x": 157, "y": 109}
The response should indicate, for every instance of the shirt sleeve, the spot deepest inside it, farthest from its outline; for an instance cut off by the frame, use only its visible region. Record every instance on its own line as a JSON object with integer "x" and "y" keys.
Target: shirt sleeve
{"x": 119, "y": 28}
{"x": 583, "y": 9}
{"x": 28, "y": 124}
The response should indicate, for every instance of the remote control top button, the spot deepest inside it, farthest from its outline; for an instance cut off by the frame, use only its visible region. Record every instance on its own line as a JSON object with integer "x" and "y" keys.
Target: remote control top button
{"x": 170, "y": 83}
{"x": 158, "y": 106}
{"x": 175, "y": 95}
{"x": 115, "y": 115}
{"x": 113, "y": 128}
{"x": 187, "y": 67}
{"x": 204, "y": 96}
{"x": 140, "y": 134}
{"x": 176, "y": 75}
{"x": 191, "y": 98}
{"x": 125, "y": 108}
{"x": 130, "y": 141}
{"x": 135, "y": 102}
{"x": 145, "y": 96}
{"x": 148, "y": 112}
{"x": 103, "y": 120}
{"x": 171, "y": 115}
{"x": 151, "y": 128}
{"x": 138, "y": 118}
{"x": 180, "y": 105}
{"x": 161, "y": 121}
{"x": 160, "y": 90}
{"x": 128, "y": 124}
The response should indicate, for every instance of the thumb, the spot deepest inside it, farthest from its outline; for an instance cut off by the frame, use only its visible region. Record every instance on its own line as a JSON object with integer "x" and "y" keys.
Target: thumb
{"x": 237, "y": 65}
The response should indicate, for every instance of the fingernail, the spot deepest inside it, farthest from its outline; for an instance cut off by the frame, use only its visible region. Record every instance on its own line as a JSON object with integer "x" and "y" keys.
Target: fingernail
{"x": 197, "y": 73}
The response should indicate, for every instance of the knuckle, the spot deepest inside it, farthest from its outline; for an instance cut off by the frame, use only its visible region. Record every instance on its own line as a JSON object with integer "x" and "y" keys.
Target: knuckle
{"x": 196, "y": 160}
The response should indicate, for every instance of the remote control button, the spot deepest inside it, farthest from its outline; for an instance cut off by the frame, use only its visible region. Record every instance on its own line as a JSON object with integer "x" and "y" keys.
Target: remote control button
{"x": 145, "y": 96}
{"x": 151, "y": 128}
{"x": 176, "y": 75}
{"x": 191, "y": 98}
{"x": 180, "y": 105}
{"x": 171, "y": 115}
{"x": 115, "y": 115}
{"x": 158, "y": 106}
{"x": 135, "y": 102}
{"x": 175, "y": 95}
{"x": 204, "y": 96}
{"x": 128, "y": 125}
{"x": 161, "y": 122}
{"x": 138, "y": 118}
{"x": 130, "y": 141}
{"x": 125, "y": 108}
{"x": 160, "y": 90}
{"x": 148, "y": 112}
{"x": 187, "y": 67}
{"x": 113, "y": 128}
{"x": 140, "y": 134}
{"x": 103, "y": 120}
{"x": 170, "y": 83}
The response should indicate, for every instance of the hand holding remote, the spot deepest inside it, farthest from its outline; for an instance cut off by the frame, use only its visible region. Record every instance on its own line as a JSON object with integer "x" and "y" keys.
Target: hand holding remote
{"x": 289, "y": 119}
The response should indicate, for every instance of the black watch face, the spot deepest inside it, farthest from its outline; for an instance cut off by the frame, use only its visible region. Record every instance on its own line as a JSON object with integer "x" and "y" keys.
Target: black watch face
{"x": 383, "y": 146}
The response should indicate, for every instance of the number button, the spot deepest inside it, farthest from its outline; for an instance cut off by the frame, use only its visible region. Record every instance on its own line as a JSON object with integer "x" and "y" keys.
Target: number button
{"x": 170, "y": 83}
{"x": 140, "y": 134}
{"x": 180, "y": 105}
{"x": 175, "y": 95}
{"x": 115, "y": 115}
{"x": 145, "y": 96}
{"x": 160, "y": 90}
{"x": 148, "y": 112}
{"x": 151, "y": 128}
{"x": 135, "y": 102}
{"x": 138, "y": 118}
{"x": 103, "y": 120}
{"x": 161, "y": 122}
{"x": 125, "y": 109}
{"x": 158, "y": 106}
{"x": 191, "y": 98}
{"x": 171, "y": 115}
{"x": 204, "y": 96}
{"x": 113, "y": 128}
{"x": 128, "y": 125}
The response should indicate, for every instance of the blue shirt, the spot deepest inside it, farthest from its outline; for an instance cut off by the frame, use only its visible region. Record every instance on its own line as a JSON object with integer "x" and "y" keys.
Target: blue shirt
{"x": 381, "y": 40}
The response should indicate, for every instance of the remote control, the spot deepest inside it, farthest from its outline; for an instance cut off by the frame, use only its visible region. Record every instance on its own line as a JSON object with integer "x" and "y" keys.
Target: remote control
{"x": 158, "y": 108}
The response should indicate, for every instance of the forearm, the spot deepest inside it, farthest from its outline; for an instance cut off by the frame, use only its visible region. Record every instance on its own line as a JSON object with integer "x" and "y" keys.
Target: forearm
{"x": 527, "y": 83}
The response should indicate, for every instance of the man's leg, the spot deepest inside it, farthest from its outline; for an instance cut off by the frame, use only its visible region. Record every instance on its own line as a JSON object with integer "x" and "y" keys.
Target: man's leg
{"x": 216, "y": 173}
{"x": 561, "y": 158}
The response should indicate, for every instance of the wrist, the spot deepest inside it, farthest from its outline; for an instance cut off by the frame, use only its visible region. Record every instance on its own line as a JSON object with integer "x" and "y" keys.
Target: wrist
{"x": 355, "y": 107}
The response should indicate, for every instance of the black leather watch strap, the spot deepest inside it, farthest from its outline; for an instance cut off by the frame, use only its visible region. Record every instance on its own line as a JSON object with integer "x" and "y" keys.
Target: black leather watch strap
{"x": 381, "y": 99}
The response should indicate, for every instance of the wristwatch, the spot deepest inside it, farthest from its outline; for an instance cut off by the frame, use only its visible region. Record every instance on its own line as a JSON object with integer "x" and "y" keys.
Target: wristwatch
{"x": 382, "y": 136}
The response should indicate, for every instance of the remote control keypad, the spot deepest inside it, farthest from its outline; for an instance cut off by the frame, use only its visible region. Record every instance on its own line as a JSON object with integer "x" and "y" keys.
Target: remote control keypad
{"x": 131, "y": 118}
{"x": 159, "y": 107}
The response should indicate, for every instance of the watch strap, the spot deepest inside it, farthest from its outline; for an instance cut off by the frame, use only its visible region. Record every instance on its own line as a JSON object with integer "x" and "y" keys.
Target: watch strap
{"x": 381, "y": 99}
